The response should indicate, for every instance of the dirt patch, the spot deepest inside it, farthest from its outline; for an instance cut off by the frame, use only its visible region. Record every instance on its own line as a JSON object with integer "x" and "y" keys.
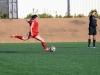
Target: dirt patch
{"x": 78, "y": 22}
{"x": 51, "y": 29}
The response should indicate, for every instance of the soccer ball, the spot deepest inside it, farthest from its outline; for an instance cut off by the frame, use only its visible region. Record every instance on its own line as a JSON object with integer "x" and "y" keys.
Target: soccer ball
{"x": 52, "y": 49}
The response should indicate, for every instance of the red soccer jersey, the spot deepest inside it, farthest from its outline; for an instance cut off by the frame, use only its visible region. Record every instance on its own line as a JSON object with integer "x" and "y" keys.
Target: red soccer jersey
{"x": 34, "y": 27}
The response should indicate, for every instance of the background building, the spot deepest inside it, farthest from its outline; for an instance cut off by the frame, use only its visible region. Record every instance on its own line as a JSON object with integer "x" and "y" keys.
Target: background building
{"x": 13, "y": 8}
{"x": 84, "y": 6}
{"x": 59, "y": 7}
{"x": 21, "y": 8}
{"x": 9, "y": 7}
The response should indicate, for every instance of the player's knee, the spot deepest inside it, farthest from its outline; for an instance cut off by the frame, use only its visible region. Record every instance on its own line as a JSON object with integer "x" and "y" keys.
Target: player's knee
{"x": 90, "y": 37}
{"x": 25, "y": 38}
{"x": 94, "y": 37}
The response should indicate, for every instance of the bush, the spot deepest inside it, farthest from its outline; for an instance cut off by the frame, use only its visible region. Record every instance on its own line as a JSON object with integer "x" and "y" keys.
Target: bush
{"x": 98, "y": 16}
{"x": 44, "y": 15}
{"x": 58, "y": 16}
{"x": 4, "y": 16}
{"x": 68, "y": 16}
{"x": 29, "y": 15}
{"x": 80, "y": 15}
{"x": 49, "y": 16}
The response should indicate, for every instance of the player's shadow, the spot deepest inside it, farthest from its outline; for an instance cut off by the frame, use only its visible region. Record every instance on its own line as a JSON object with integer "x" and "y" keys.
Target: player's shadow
{"x": 19, "y": 52}
{"x": 69, "y": 47}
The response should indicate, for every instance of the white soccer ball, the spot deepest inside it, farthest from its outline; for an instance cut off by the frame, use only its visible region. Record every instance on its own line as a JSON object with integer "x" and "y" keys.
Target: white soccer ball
{"x": 52, "y": 49}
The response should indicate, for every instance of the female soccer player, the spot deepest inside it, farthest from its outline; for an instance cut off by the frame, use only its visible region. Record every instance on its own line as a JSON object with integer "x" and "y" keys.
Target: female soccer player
{"x": 92, "y": 30}
{"x": 33, "y": 33}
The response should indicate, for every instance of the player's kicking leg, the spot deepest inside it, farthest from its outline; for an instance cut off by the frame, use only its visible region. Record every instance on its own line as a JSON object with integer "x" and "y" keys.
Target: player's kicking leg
{"x": 42, "y": 42}
{"x": 22, "y": 37}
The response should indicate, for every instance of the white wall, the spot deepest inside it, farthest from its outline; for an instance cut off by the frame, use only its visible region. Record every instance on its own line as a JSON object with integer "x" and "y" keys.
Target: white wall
{"x": 51, "y": 6}
{"x": 84, "y": 6}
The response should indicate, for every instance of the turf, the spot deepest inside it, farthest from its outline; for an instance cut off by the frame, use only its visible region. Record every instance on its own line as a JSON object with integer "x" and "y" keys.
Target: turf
{"x": 31, "y": 59}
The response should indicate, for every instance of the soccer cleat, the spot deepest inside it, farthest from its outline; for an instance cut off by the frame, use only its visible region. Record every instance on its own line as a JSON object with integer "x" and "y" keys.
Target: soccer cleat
{"x": 13, "y": 36}
{"x": 95, "y": 46}
{"x": 89, "y": 46}
{"x": 47, "y": 49}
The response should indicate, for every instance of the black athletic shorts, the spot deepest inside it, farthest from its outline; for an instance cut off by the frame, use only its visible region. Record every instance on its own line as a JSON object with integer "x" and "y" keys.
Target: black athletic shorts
{"x": 29, "y": 34}
{"x": 92, "y": 31}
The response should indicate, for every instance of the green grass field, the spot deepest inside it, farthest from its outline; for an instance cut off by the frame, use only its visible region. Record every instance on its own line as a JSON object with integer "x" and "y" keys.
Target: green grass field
{"x": 31, "y": 59}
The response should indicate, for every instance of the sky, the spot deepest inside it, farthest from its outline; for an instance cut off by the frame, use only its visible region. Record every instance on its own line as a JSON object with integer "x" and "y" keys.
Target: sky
{"x": 56, "y": 6}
